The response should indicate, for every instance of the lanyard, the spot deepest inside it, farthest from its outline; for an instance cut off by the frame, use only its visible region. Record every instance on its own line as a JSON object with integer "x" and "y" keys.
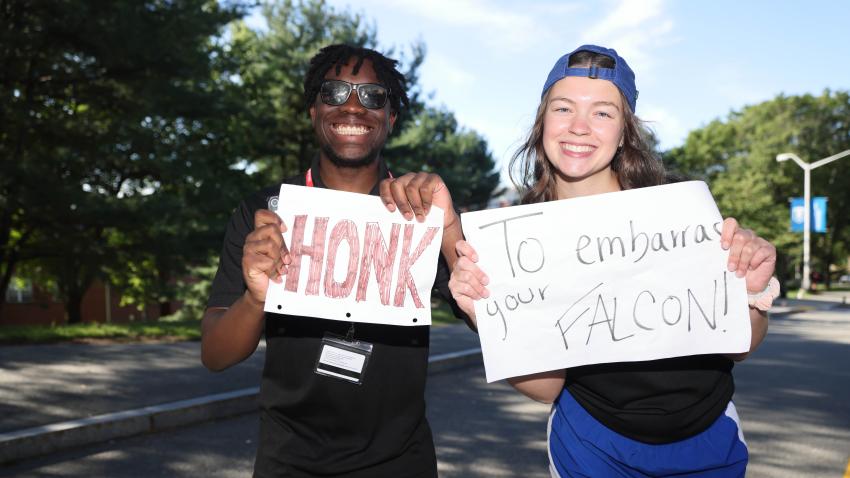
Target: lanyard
{"x": 308, "y": 177}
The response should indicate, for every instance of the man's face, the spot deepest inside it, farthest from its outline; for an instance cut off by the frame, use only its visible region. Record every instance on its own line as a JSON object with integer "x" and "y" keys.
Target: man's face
{"x": 351, "y": 135}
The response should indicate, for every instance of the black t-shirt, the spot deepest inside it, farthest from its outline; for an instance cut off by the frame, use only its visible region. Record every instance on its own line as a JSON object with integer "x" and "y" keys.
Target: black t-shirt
{"x": 312, "y": 424}
{"x": 657, "y": 401}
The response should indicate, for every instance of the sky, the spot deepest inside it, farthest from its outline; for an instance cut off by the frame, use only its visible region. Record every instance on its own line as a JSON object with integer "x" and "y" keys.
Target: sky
{"x": 694, "y": 60}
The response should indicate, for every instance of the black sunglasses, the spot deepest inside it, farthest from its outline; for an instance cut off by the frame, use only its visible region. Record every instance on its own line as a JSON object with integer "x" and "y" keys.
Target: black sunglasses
{"x": 336, "y": 92}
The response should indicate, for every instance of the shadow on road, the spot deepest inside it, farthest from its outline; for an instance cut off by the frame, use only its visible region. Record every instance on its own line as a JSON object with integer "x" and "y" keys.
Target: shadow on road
{"x": 792, "y": 397}
{"x": 44, "y": 384}
{"x": 486, "y": 430}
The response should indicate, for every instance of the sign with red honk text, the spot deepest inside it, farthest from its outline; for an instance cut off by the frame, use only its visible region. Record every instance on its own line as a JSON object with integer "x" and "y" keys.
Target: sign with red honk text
{"x": 353, "y": 260}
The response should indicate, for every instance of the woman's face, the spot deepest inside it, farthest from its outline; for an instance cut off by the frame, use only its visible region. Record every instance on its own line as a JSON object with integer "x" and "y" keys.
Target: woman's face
{"x": 582, "y": 129}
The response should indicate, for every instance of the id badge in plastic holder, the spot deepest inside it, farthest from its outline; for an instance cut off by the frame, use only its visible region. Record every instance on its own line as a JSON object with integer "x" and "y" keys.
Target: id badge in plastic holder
{"x": 343, "y": 359}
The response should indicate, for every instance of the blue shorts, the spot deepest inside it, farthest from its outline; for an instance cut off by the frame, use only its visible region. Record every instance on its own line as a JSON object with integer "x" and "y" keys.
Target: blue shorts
{"x": 581, "y": 446}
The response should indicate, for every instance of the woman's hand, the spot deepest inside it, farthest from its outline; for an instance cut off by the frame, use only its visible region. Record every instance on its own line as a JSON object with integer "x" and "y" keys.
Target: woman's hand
{"x": 750, "y": 256}
{"x": 754, "y": 258}
{"x": 468, "y": 282}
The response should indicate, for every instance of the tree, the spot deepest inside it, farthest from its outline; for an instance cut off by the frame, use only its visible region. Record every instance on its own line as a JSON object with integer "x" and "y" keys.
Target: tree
{"x": 109, "y": 109}
{"x": 737, "y": 157}
{"x": 280, "y": 138}
{"x": 130, "y": 129}
{"x": 433, "y": 142}
{"x": 273, "y": 62}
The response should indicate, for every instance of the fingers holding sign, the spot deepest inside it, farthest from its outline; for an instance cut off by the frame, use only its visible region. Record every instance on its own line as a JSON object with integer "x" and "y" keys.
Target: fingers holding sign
{"x": 750, "y": 256}
{"x": 265, "y": 255}
{"x": 468, "y": 282}
{"x": 414, "y": 193}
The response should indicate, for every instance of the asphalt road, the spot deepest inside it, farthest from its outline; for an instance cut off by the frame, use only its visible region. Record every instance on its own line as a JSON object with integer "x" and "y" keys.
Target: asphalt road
{"x": 483, "y": 430}
{"x": 793, "y": 397}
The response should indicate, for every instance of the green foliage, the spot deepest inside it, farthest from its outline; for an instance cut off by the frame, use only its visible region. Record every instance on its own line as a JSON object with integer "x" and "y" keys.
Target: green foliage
{"x": 129, "y": 130}
{"x": 737, "y": 157}
{"x": 433, "y": 142}
{"x": 115, "y": 126}
{"x": 441, "y": 313}
{"x": 278, "y": 136}
{"x": 279, "y": 139}
{"x": 193, "y": 291}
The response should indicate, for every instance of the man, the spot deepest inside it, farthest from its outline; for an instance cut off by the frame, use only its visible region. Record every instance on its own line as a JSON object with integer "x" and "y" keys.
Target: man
{"x": 314, "y": 424}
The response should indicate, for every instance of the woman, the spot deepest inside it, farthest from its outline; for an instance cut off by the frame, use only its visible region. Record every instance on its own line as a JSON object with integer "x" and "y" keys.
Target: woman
{"x": 656, "y": 418}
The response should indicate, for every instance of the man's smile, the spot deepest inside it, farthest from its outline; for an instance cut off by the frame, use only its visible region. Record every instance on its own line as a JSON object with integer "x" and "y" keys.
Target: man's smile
{"x": 350, "y": 129}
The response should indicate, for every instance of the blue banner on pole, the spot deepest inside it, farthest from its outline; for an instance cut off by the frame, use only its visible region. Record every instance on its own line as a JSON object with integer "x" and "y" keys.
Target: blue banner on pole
{"x": 817, "y": 214}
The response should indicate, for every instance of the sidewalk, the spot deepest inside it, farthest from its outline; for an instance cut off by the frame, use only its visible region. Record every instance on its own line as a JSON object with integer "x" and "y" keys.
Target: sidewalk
{"x": 64, "y": 395}
{"x": 824, "y": 301}
{"x": 838, "y": 296}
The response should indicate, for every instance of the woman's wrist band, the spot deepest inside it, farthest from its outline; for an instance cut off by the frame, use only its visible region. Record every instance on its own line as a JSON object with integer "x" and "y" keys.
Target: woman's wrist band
{"x": 764, "y": 299}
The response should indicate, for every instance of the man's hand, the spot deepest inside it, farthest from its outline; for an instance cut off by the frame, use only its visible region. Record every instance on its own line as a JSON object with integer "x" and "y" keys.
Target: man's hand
{"x": 414, "y": 193}
{"x": 265, "y": 255}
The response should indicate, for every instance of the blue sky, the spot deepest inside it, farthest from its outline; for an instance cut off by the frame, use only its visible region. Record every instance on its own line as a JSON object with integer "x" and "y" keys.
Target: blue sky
{"x": 694, "y": 60}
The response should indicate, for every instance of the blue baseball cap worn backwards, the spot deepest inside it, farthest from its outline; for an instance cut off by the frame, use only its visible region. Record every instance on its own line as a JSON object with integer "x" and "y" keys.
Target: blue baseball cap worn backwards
{"x": 621, "y": 75}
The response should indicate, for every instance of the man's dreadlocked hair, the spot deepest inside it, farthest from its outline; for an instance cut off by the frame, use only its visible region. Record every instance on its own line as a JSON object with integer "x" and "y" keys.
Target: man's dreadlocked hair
{"x": 338, "y": 55}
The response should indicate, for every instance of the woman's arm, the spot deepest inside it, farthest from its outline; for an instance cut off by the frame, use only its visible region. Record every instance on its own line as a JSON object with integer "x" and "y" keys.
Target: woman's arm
{"x": 753, "y": 258}
{"x": 543, "y": 387}
{"x": 758, "y": 322}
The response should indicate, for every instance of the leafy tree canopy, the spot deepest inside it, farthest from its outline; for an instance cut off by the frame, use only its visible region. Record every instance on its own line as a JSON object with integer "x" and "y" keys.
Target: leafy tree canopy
{"x": 129, "y": 130}
{"x": 737, "y": 156}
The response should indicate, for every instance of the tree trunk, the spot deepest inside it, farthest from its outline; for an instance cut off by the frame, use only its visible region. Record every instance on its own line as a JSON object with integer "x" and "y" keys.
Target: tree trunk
{"x": 73, "y": 307}
{"x": 5, "y": 280}
{"x": 782, "y": 272}
{"x": 8, "y": 260}
{"x": 78, "y": 281}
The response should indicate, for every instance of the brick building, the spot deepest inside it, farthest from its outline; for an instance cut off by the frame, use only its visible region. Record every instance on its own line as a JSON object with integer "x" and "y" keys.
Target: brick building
{"x": 30, "y": 305}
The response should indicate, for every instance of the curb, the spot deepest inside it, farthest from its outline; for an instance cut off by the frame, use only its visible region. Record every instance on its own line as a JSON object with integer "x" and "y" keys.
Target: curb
{"x": 785, "y": 310}
{"x": 36, "y": 441}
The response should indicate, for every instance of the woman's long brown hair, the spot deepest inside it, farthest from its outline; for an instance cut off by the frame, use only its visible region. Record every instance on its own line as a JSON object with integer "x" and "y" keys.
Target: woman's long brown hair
{"x": 634, "y": 164}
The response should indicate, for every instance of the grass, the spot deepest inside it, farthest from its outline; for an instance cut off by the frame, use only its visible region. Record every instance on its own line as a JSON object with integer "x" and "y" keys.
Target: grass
{"x": 133, "y": 331}
{"x": 441, "y": 313}
{"x": 167, "y": 328}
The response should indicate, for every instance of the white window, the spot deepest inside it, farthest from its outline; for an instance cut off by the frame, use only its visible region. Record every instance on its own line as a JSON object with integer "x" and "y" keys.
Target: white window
{"x": 19, "y": 291}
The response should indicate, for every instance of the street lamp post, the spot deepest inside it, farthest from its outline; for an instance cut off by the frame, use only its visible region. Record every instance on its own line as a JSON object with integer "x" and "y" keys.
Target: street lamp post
{"x": 807, "y": 197}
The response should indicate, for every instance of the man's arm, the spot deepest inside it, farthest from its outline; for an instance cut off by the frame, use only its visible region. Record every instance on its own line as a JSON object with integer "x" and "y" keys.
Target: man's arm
{"x": 231, "y": 334}
{"x": 441, "y": 284}
{"x": 452, "y": 233}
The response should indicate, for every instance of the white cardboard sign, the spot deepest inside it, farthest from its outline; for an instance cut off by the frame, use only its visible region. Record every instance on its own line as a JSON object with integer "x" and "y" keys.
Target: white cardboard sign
{"x": 628, "y": 276}
{"x": 353, "y": 260}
